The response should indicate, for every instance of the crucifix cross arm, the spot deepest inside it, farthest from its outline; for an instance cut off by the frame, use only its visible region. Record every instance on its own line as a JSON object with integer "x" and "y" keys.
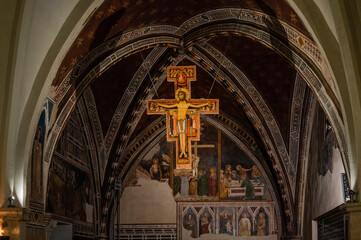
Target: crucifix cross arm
{"x": 199, "y": 105}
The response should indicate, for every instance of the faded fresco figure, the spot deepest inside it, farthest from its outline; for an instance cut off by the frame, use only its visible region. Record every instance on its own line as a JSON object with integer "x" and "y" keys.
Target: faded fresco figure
{"x": 155, "y": 170}
{"x": 244, "y": 225}
{"x": 193, "y": 187}
{"x": 37, "y": 167}
{"x": 202, "y": 184}
{"x": 261, "y": 224}
{"x": 235, "y": 176}
{"x": 223, "y": 186}
{"x": 256, "y": 175}
{"x": 249, "y": 189}
{"x": 226, "y": 224}
{"x": 190, "y": 224}
{"x": 205, "y": 224}
{"x": 195, "y": 164}
{"x": 242, "y": 172}
{"x": 229, "y": 227}
{"x": 212, "y": 182}
{"x": 228, "y": 173}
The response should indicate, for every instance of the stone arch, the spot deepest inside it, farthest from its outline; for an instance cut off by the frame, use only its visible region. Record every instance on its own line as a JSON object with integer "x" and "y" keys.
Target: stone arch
{"x": 263, "y": 37}
{"x": 312, "y": 57}
{"x": 38, "y": 92}
{"x": 338, "y": 45}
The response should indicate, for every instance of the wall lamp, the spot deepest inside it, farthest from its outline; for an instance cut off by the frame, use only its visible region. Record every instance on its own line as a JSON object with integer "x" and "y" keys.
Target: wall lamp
{"x": 11, "y": 201}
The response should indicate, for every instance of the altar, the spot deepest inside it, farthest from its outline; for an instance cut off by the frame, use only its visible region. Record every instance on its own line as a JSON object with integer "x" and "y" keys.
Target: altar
{"x": 235, "y": 189}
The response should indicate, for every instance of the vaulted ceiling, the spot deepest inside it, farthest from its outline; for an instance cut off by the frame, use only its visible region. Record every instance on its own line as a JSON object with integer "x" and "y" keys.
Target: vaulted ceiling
{"x": 255, "y": 56}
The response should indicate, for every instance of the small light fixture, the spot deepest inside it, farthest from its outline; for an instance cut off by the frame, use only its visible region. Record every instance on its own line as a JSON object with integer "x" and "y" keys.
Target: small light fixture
{"x": 11, "y": 201}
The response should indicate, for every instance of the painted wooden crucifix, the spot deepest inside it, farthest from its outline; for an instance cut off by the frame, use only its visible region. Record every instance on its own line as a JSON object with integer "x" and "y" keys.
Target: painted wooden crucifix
{"x": 183, "y": 113}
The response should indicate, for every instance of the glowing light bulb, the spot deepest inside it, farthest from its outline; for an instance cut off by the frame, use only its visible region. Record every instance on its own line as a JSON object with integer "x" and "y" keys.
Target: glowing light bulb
{"x": 1, "y": 232}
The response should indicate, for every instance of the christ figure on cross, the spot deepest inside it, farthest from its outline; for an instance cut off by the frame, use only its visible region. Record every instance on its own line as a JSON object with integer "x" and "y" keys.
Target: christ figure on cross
{"x": 182, "y": 113}
{"x": 182, "y": 106}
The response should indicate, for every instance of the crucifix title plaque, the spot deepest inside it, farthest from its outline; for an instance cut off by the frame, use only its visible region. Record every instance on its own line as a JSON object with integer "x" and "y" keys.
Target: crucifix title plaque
{"x": 183, "y": 113}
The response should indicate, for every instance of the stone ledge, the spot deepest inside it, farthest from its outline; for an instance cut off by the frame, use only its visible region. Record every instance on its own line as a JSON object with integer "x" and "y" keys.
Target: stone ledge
{"x": 12, "y": 213}
{"x": 351, "y": 207}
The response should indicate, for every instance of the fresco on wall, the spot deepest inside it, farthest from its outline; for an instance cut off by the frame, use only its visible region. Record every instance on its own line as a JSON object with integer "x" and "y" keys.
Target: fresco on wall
{"x": 215, "y": 220}
{"x": 240, "y": 178}
{"x": 155, "y": 165}
{"x": 261, "y": 223}
{"x": 69, "y": 191}
{"x": 226, "y": 223}
{"x": 206, "y": 221}
{"x": 190, "y": 222}
{"x": 231, "y": 175}
{"x": 71, "y": 144}
{"x": 245, "y": 224}
{"x": 37, "y": 188}
{"x": 201, "y": 182}
{"x": 223, "y": 196}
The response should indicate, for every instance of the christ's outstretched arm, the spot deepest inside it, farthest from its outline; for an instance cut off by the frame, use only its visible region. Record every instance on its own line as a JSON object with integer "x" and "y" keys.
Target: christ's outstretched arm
{"x": 200, "y": 105}
{"x": 166, "y": 106}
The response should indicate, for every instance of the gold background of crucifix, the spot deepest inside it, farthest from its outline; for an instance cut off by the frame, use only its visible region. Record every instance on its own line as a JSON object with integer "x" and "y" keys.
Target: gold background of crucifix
{"x": 182, "y": 76}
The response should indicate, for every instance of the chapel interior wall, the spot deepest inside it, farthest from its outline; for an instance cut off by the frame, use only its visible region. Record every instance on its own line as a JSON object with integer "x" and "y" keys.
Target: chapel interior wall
{"x": 324, "y": 182}
{"x": 333, "y": 25}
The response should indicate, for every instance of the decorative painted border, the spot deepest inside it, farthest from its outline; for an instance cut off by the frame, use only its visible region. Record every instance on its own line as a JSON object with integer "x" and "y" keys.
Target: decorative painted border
{"x": 258, "y": 18}
{"x": 310, "y": 108}
{"x": 94, "y": 156}
{"x": 295, "y": 127}
{"x": 95, "y": 126}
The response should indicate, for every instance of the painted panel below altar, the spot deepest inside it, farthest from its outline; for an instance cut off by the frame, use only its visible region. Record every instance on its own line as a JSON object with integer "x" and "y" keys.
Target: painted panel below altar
{"x": 226, "y": 220}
